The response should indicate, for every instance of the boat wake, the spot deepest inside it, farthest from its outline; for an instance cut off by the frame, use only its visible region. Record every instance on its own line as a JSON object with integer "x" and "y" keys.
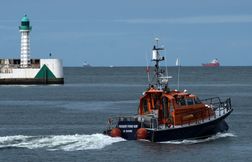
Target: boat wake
{"x": 59, "y": 142}
{"x": 195, "y": 141}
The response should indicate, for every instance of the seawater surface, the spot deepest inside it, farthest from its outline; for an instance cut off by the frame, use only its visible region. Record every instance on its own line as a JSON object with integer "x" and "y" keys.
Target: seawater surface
{"x": 65, "y": 122}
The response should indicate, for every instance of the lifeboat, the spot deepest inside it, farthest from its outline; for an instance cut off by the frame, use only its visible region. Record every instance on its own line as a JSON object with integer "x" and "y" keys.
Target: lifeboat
{"x": 165, "y": 114}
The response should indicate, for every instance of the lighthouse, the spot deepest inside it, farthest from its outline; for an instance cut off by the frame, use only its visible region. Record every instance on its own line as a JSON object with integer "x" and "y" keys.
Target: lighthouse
{"x": 25, "y": 29}
{"x": 28, "y": 70}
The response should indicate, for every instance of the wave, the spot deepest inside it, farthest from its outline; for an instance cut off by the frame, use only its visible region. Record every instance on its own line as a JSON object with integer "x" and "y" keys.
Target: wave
{"x": 59, "y": 142}
{"x": 81, "y": 142}
{"x": 195, "y": 141}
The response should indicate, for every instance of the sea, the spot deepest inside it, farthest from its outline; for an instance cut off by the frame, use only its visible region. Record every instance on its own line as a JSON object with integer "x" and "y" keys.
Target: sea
{"x": 65, "y": 122}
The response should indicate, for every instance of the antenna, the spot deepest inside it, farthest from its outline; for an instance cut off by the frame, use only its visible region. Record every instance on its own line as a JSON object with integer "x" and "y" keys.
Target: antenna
{"x": 166, "y": 65}
{"x": 179, "y": 65}
{"x": 157, "y": 39}
{"x": 147, "y": 68}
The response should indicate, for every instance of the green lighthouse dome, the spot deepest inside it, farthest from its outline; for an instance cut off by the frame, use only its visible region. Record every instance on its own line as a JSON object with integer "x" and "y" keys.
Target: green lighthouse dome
{"x": 25, "y": 23}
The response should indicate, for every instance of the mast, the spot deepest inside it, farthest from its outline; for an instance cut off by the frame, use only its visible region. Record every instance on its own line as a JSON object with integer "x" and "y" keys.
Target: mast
{"x": 157, "y": 58}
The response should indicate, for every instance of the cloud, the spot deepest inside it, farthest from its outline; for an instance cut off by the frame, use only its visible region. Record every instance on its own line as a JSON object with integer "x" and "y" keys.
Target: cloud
{"x": 192, "y": 20}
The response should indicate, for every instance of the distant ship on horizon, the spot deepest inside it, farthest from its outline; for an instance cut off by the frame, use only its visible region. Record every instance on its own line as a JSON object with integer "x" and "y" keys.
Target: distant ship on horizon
{"x": 214, "y": 63}
{"x": 86, "y": 64}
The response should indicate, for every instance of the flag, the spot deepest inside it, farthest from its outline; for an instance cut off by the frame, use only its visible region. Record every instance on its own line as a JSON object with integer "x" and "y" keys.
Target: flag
{"x": 177, "y": 62}
{"x": 147, "y": 69}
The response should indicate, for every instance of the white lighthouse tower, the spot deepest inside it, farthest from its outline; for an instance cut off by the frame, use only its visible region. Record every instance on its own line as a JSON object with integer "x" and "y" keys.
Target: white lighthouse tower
{"x": 25, "y": 29}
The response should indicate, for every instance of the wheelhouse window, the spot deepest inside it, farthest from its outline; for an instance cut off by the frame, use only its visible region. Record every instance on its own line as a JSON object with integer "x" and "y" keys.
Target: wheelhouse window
{"x": 171, "y": 108}
{"x": 197, "y": 100}
{"x": 182, "y": 102}
{"x": 189, "y": 101}
{"x": 165, "y": 106}
{"x": 145, "y": 106}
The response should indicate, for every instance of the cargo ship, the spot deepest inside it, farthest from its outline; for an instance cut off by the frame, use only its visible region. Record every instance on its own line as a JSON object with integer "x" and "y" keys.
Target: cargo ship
{"x": 214, "y": 63}
{"x": 25, "y": 70}
{"x": 166, "y": 115}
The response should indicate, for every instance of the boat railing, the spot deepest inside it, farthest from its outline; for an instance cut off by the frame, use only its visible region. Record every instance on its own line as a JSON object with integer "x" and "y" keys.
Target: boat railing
{"x": 152, "y": 122}
{"x": 113, "y": 121}
{"x": 212, "y": 100}
{"x": 216, "y": 104}
{"x": 215, "y": 109}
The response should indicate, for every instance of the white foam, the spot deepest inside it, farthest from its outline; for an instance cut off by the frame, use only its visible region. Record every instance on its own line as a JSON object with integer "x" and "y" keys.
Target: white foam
{"x": 194, "y": 141}
{"x": 59, "y": 142}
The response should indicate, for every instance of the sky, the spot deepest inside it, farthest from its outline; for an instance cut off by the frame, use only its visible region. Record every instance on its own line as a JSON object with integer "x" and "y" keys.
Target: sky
{"x": 123, "y": 32}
